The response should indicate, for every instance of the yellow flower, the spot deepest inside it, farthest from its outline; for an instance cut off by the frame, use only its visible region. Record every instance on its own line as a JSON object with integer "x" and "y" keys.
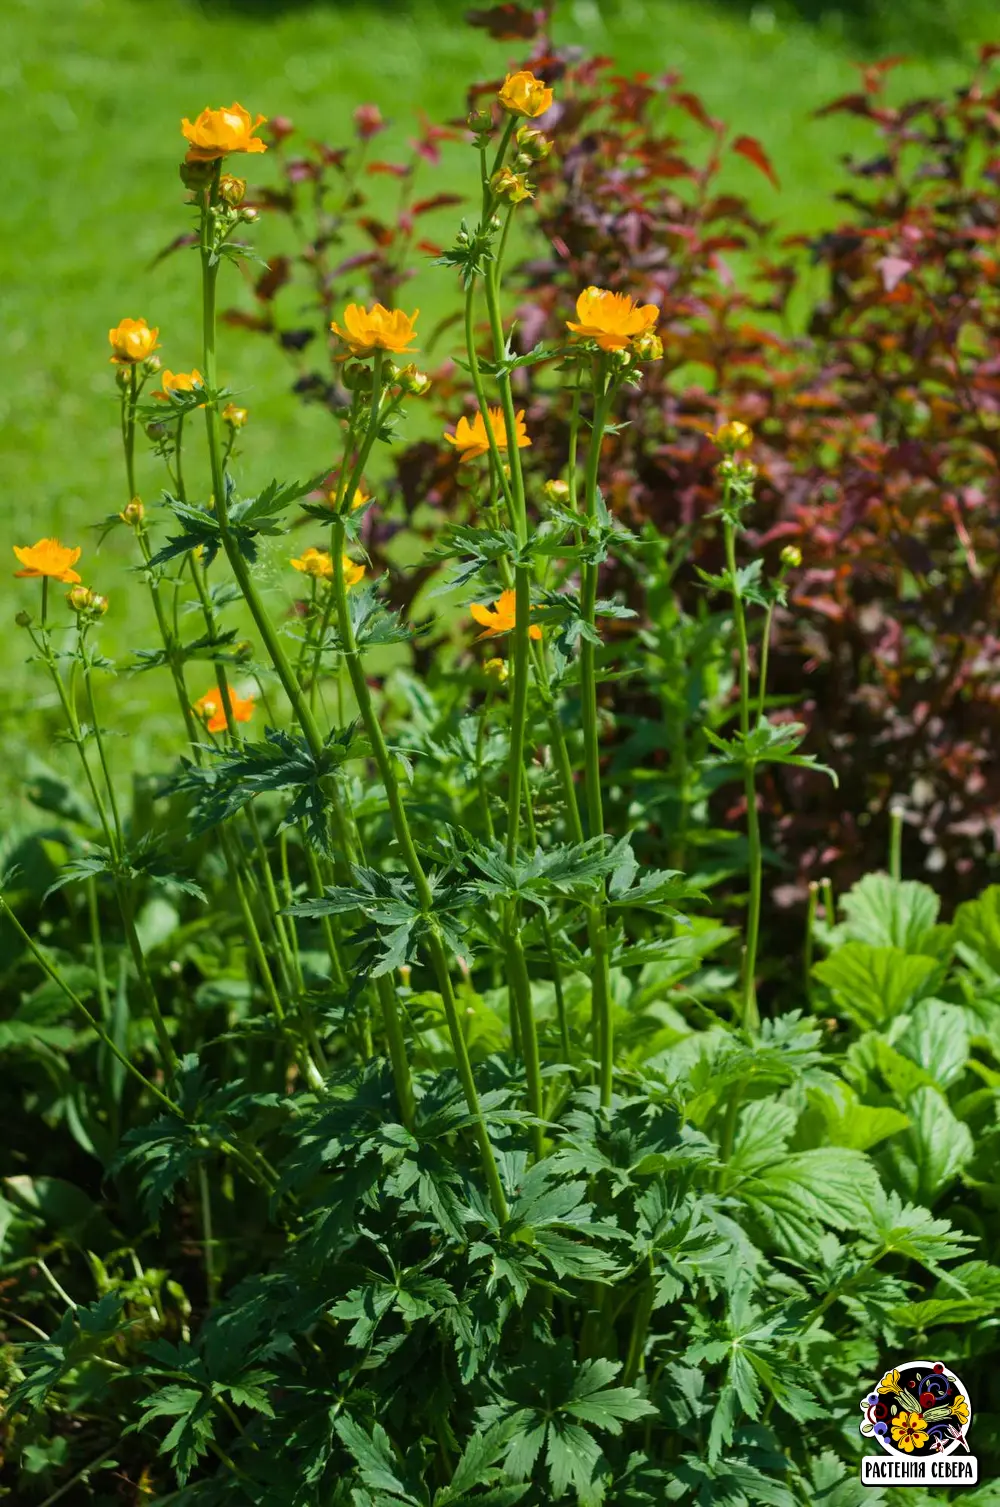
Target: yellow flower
{"x": 318, "y": 563}
{"x": 614, "y": 320}
{"x": 909, "y": 1431}
{"x": 235, "y": 416}
{"x": 178, "y": 382}
{"x": 133, "y": 512}
{"x": 513, "y": 187}
{"x": 209, "y": 709}
{"x": 734, "y": 436}
{"x": 960, "y": 1409}
{"x": 216, "y": 133}
{"x": 500, "y": 617}
{"x": 48, "y": 558}
{"x": 376, "y": 329}
{"x": 359, "y": 499}
{"x": 470, "y": 440}
{"x": 315, "y": 562}
{"x": 496, "y": 670}
{"x": 524, "y": 94}
{"x": 889, "y": 1382}
{"x": 132, "y": 340}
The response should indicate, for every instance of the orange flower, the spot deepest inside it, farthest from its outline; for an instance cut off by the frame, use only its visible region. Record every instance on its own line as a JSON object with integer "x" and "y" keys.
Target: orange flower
{"x": 178, "y": 382}
{"x": 132, "y": 340}
{"x": 500, "y": 617}
{"x": 612, "y": 319}
{"x": 216, "y": 133}
{"x": 209, "y": 709}
{"x": 48, "y": 558}
{"x": 318, "y": 563}
{"x": 376, "y": 329}
{"x": 524, "y": 94}
{"x": 470, "y": 440}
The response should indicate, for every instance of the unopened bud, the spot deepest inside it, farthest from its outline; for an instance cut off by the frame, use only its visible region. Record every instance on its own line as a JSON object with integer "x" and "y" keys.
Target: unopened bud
{"x": 496, "y": 670}
{"x": 556, "y": 491}
{"x": 232, "y": 190}
{"x": 243, "y": 651}
{"x": 621, "y": 360}
{"x": 196, "y": 175}
{"x": 479, "y": 121}
{"x": 734, "y": 436}
{"x": 133, "y": 512}
{"x": 23, "y": 619}
{"x": 234, "y": 415}
{"x": 513, "y": 188}
{"x": 156, "y": 432}
{"x": 357, "y": 377}
{"x": 532, "y": 144}
{"x": 791, "y": 556}
{"x": 80, "y": 598}
{"x": 648, "y": 347}
{"x": 249, "y": 215}
{"x": 413, "y": 381}
{"x": 98, "y": 604}
{"x": 151, "y": 365}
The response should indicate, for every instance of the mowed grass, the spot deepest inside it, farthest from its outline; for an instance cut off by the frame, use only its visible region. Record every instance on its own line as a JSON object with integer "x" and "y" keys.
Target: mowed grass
{"x": 91, "y": 99}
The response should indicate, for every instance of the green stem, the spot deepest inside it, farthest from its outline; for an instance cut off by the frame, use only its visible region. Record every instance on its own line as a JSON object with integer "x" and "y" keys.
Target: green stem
{"x": 896, "y": 843}
{"x": 597, "y": 927}
{"x": 748, "y": 993}
{"x": 208, "y": 1241}
{"x": 425, "y": 896}
{"x": 807, "y": 956}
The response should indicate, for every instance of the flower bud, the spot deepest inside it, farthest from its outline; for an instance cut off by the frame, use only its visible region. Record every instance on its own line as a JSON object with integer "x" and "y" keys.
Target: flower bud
{"x": 243, "y": 651}
{"x": 232, "y": 190}
{"x": 532, "y": 144}
{"x": 80, "y": 598}
{"x": 479, "y": 121}
{"x": 133, "y": 513}
{"x": 196, "y": 175}
{"x": 648, "y": 347}
{"x": 556, "y": 491}
{"x": 413, "y": 381}
{"x": 357, "y": 377}
{"x": 791, "y": 556}
{"x": 23, "y": 619}
{"x": 621, "y": 360}
{"x": 496, "y": 670}
{"x": 98, "y": 604}
{"x": 234, "y": 416}
{"x": 734, "y": 436}
{"x": 513, "y": 188}
{"x": 151, "y": 365}
{"x": 249, "y": 215}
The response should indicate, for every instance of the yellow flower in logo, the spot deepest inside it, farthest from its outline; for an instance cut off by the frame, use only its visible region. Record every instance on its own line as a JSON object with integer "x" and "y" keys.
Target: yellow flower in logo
{"x": 909, "y": 1432}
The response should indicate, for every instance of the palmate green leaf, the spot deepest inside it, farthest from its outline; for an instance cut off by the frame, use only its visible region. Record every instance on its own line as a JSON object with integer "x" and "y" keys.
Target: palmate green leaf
{"x": 275, "y": 497}
{"x": 846, "y": 1121}
{"x": 767, "y": 743}
{"x": 977, "y": 927}
{"x": 937, "y": 1038}
{"x": 373, "y": 1456}
{"x": 935, "y": 1148}
{"x": 886, "y": 912}
{"x": 872, "y": 985}
{"x": 794, "y": 1196}
{"x": 192, "y": 1431}
{"x": 890, "y": 1226}
{"x": 82, "y": 1334}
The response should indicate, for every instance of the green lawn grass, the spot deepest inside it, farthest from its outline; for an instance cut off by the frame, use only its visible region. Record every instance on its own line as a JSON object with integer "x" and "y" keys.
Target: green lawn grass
{"x": 93, "y": 91}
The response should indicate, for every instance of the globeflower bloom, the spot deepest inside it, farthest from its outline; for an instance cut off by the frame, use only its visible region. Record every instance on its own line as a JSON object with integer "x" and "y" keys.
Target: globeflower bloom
{"x": 209, "y": 709}
{"x": 470, "y": 440}
{"x": 234, "y": 415}
{"x": 614, "y": 320}
{"x": 376, "y": 329}
{"x": 318, "y": 563}
{"x": 499, "y": 618}
{"x": 178, "y": 382}
{"x": 48, "y": 558}
{"x": 216, "y": 133}
{"x": 524, "y": 94}
{"x": 131, "y": 341}
{"x": 734, "y": 436}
